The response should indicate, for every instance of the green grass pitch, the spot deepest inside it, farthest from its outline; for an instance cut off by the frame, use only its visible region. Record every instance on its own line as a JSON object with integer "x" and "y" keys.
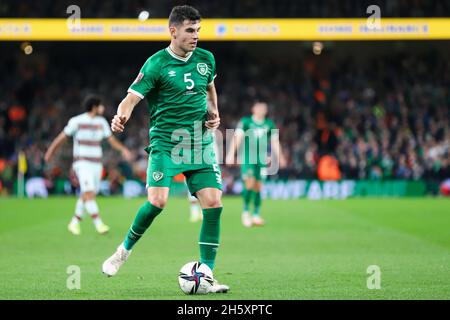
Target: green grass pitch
{"x": 307, "y": 250}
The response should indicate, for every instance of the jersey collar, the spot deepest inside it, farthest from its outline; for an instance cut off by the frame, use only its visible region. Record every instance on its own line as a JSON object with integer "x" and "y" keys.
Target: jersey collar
{"x": 173, "y": 54}
{"x": 256, "y": 121}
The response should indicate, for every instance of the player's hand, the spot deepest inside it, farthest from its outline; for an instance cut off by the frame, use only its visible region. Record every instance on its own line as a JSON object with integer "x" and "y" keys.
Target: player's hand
{"x": 48, "y": 156}
{"x": 283, "y": 162}
{"x": 213, "y": 121}
{"x": 127, "y": 155}
{"x": 118, "y": 123}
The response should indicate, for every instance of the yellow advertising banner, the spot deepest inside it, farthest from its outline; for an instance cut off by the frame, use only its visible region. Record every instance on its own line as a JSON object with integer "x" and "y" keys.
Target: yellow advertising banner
{"x": 226, "y": 29}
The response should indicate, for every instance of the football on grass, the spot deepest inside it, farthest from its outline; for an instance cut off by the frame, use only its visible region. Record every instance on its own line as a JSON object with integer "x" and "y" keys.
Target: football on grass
{"x": 195, "y": 278}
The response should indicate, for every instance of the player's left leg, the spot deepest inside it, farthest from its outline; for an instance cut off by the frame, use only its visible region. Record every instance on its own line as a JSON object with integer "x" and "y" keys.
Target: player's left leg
{"x": 210, "y": 200}
{"x": 206, "y": 184}
{"x": 210, "y": 232}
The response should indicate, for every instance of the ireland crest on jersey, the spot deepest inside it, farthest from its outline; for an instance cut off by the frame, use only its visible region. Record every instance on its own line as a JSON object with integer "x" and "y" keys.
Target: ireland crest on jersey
{"x": 157, "y": 175}
{"x": 202, "y": 68}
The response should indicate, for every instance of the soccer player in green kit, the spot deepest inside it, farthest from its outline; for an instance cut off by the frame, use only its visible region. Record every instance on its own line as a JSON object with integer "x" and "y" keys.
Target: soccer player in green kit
{"x": 256, "y": 131}
{"x": 177, "y": 81}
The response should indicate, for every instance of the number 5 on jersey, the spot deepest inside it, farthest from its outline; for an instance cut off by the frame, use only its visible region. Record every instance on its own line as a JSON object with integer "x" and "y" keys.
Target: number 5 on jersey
{"x": 186, "y": 79}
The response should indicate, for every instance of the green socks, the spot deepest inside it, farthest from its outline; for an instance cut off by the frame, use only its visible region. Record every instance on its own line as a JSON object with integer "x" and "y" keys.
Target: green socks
{"x": 209, "y": 233}
{"x": 247, "y": 195}
{"x": 144, "y": 218}
{"x": 209, "y": 236}
{"x": 257, "y": 203}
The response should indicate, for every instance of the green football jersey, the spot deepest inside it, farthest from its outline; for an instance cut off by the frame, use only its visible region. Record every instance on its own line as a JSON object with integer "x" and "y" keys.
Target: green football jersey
{"x": 176, "y": 90}
{"x": 257, "y": 136}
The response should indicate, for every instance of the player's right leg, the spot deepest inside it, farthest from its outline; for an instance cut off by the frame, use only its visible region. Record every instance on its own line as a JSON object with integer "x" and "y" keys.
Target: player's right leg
{"x": 85, "y": 178}
{"x": 156, "y": 200}
{"x": 91, "y": 204}
{"x": 74, "y": 225}
{"x": 89, "y": 176}
{"x": 91, "y": 207}
{"x": 247, "y": 192}
{"x": 158, "y": 185}
{"x": 256, "y": 217}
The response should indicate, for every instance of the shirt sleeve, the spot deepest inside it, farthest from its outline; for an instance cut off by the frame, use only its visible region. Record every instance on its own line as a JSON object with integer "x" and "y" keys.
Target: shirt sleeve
{"x": 106, "y": 130}
{"x": 212, "y": 74}
{"x": 146, "y": 80}
{"x": 70, "y": 128}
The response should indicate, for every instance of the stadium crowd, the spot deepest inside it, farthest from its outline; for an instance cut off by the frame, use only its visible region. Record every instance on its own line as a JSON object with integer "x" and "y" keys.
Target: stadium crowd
{"x": 383, "y": 117}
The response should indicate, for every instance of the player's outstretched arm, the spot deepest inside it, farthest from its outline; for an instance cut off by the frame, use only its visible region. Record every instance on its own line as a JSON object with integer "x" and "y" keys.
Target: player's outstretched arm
{"x": 54, "y": 146}
{"x": 276, "y": 147}
{"x": 116, "y": 144}
{"x": 235, "y": 144}
{"x": 124, "y": 112}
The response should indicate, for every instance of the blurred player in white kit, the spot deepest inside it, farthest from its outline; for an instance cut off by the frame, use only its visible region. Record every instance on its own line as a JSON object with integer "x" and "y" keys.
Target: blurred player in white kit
{"x": 88, "y": 130}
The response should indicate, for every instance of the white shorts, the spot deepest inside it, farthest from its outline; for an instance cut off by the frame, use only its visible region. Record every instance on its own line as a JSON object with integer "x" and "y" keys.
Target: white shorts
{"x": 89, "y": 175}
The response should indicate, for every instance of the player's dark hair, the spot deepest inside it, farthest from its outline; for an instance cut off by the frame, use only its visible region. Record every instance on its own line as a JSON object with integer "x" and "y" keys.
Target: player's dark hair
{"x": 91, "y": 101}
{"x": 258, "y": 100}
{"x": 181, "y": 13}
